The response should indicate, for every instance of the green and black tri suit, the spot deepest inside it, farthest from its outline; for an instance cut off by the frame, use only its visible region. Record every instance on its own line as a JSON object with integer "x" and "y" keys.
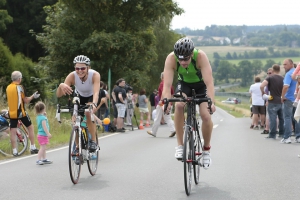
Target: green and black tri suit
{"x": 190, "y": 78}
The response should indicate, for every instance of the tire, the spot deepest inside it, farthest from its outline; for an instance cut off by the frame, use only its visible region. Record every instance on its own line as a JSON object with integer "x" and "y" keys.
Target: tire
{"x": 21, "y": 143}
{"x": 74, "y": 168}
{"x": 187, "y": 159}
{"x": 93, "y": 158}
{"x": 198, "y": 155}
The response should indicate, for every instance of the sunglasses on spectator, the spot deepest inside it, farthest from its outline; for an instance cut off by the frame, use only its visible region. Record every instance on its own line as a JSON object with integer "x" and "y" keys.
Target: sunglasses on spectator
{"x": 184, "y": 59}
{"x": 80, "y": 68}
{"x": 269, "y": 73}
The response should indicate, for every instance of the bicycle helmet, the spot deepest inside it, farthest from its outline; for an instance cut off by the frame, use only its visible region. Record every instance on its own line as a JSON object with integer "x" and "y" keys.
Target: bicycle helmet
{"x": 82, "y": 59}
{"x": 183, "y": 48}
{"x": 3, "y": 124}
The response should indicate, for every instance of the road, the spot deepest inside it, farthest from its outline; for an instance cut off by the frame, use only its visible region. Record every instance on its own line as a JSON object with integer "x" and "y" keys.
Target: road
{"x": 134, "y": 165}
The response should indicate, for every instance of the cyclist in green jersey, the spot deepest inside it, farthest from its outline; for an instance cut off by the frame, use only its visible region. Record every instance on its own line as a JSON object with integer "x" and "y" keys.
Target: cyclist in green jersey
{"x": 194, "y": 72}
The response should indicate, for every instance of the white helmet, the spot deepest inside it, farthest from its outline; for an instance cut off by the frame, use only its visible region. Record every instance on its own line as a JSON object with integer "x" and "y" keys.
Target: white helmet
{"x": 82, "y": 59}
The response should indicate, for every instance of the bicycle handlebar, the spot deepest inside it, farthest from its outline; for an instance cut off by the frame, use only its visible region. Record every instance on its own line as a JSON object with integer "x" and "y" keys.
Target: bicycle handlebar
{"x": 197, "y": 98}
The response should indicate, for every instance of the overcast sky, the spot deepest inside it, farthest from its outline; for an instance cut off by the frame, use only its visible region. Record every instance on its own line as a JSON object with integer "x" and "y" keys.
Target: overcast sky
{"x": 201, "y": 13}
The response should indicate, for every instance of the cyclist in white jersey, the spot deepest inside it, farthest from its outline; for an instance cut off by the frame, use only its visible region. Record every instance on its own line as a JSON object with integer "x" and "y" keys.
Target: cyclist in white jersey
{"x": 87, "y": 84}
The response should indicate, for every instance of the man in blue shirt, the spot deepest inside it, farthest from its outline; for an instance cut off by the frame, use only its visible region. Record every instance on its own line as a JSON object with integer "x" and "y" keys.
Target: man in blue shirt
{"x": 289, "y": 86}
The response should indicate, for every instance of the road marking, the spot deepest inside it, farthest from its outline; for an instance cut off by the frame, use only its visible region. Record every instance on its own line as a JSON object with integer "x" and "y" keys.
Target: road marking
{"x": 53, "y": 150}
{"x": 215, "y": 126}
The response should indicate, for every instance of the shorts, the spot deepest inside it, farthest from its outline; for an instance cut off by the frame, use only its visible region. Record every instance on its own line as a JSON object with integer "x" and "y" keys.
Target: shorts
{"x": 186, "y": 88}
{"x": 84, "y": 101}
{"x": 43, "y": 140}
{"x": 143, "y": 110}
{"x": 121, "y": 109}
{"x": 259, "y": 110}
{"x": 25, "y": 120}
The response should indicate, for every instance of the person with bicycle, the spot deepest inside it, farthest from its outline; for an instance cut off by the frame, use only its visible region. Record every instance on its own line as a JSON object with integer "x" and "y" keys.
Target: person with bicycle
{"x": 16, "y": 99}
{"x": 194, "y": 72}
{"x": 87, "y": 84}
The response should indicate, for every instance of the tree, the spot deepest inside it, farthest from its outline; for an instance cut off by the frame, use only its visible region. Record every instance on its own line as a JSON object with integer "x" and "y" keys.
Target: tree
{"x": 256, "y": 67}
{"x": 224, "y": 70}
{"x": 246, "y": 72}
{"x": 234, "y": 56}
{"x": 5, "y": 18}
{"x": 216, "y": 55}
{"x": 228, "y": 56}
{"x": 117, "y": 35}
{"x": 269, "y": 64}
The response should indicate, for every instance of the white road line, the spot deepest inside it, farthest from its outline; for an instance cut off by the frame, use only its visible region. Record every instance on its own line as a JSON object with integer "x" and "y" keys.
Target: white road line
{"x": 216, "y": 125}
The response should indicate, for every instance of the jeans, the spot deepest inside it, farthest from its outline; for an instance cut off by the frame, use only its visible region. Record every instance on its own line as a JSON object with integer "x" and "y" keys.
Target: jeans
{"x": 275, "y": 110}
{"x": 288, "y": 114}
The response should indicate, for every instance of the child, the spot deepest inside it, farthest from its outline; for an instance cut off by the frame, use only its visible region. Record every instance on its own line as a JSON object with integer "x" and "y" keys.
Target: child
{"x": 296, "y": 76}
{"x": 43, "y": 132}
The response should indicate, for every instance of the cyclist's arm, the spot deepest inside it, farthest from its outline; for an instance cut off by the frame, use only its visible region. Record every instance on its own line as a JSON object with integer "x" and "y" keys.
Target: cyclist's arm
{"x": 65, "y": 88}
{"x": 170, "y": 65}
{"x": 204, "y": 66}
{"x": 96, "y": 85}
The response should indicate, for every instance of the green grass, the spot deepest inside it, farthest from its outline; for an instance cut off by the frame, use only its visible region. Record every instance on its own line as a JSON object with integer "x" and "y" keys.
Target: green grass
{"x": 237, "y": 110}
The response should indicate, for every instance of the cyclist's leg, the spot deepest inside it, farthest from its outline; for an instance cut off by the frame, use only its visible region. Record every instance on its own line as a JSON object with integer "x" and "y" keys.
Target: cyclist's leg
{"x": 27, "y": 122}
{"x": 207, "y": 124}
{"x": 13, "y": 132}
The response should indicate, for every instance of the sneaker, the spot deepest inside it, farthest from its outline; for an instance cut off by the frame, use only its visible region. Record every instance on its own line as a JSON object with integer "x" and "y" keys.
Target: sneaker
{"x": 123, "y": 129}
{"x": 172, "y": 134}
{"x": 46, "y": 161}
{"x": 92, "y": 146}
{"x": 206, "y": 160}
{"x": 34, "y": 151}
{"x": 120, "y": 130}
{"x": 265, "y": 132}
{"x": 150, "y": 133}
{"x": 262, "y": 126}
{"x": 295, "y": 104}
{"x": 280, "y": 136}
{"x": 297, "y": 140}
{"x": 39, "y": 162}
{"x": 251, "y": 126}
{"x": 179, "y": 152}
{"x": 286, "y": 141}
{"x": 256, "y": 128}
{"x": 15, "y": 154}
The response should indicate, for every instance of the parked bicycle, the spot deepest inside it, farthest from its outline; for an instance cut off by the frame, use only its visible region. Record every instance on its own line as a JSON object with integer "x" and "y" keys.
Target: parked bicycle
{"x": 5, "y": 142}
{"x": 192, "y": 149}
{"x": 79, "y": 140}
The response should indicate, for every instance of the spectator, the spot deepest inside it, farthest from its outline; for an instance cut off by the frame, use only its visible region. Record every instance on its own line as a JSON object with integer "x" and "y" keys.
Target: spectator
{"x": 16, "y": 98}
{"x": 295, "y": 74}
{"x": 43, "y": 132}
{"x": 115, "y": 111}
{"x": 152, "y": 100}
{"x": 267, "y": 122}
{"x": 129, "y": 107}
{"x": 160, "y": 113}
{"x": 143, "y": 108}
{"x": 289, "y": 86}
{"x": 107, "y": 100}
{"x": 120, "y": 97}
{"x": 102, "y": 102}
{"x": 275, "y": 85}
{"x": 258, "y": 104}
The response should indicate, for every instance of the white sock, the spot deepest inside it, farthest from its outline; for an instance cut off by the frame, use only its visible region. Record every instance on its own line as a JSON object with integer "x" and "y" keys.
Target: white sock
{"x": 15, "y": 151}
{"x": 32, "y": 146}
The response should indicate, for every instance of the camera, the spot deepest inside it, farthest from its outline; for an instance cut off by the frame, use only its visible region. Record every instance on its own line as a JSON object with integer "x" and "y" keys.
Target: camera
{"x": 127, "y": 87}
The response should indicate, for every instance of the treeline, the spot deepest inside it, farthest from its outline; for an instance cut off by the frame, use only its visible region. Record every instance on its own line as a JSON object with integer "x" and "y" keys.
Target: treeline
{"x": 132, "y": 38}
{"x": 258, "y": 54}
{"x": 244, "y": 71}
{"x": 257, "y": 36}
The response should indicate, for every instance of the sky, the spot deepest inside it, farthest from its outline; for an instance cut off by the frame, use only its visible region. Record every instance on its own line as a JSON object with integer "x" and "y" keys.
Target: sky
{"x": 201, "y": 13}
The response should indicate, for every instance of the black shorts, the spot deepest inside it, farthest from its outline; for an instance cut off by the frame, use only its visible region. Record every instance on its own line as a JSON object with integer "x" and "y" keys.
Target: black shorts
{"x": 115, "y": 111}
{"x": 25, "y": 120}
{"x": 84, "y": 101}
{"x": 186, "y": 88}
{"x": 259, "y": 110}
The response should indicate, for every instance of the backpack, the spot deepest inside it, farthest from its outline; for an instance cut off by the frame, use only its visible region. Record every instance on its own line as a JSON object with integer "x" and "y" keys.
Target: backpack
{"x": 112, "y": 128}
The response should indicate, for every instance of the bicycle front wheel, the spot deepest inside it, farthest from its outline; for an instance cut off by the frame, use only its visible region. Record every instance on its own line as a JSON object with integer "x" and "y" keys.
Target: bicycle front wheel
{"x": 188, "y": 160}
{"x": 198, "y": 155}
{"x": 93, "y": 160}
{"x": 22, "y": 141}
{"x": 74, "y": 157}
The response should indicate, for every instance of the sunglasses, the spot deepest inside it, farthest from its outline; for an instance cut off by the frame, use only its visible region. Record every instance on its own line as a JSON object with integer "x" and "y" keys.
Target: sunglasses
{"x": 269, "y": 73}
{"x": 184, "y": 59}
{"x": 80, "y": 68}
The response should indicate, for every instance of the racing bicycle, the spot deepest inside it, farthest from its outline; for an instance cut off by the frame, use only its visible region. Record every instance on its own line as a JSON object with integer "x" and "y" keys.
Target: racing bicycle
{"x": 192, "y": 149}
{"x": 79, "y": 152}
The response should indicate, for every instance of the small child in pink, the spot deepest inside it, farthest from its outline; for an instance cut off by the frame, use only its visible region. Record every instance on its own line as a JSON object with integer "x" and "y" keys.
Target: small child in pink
{"x": 296, "y": 75}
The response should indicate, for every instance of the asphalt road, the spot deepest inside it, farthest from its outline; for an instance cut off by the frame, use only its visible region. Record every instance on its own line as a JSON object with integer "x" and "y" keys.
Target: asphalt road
{"x": 134, "y": 165}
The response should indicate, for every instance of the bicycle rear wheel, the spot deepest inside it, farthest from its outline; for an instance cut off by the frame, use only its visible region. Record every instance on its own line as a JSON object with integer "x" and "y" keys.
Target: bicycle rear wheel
{"x": 93, "y": 160}
{"x": 74, "y": 157}
{"x": 198, "y": 155}
{"x": 188, "y": 159}
{"x": 21, "y": 143}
